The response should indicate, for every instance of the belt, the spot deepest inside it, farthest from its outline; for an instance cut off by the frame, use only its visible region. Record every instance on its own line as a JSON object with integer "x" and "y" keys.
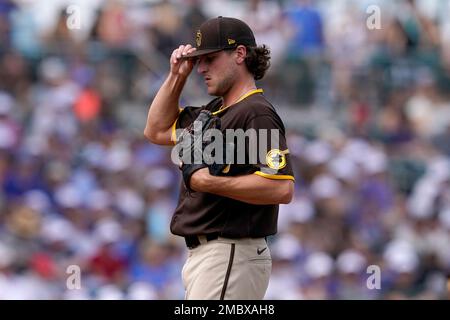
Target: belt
{"x": 194, "y": 241}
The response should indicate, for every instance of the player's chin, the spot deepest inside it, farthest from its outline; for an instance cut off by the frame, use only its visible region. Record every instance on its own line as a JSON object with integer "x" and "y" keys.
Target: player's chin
{"x": 212, "y": 91}
{"x": 215, "y": 91}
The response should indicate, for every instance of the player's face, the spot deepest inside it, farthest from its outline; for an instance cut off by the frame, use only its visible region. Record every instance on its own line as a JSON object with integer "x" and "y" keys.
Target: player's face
{"x": 218, "y": 70}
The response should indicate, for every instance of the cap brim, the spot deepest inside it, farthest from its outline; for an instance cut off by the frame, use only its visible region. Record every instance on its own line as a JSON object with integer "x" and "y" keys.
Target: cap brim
{"x": 198, "y": 53}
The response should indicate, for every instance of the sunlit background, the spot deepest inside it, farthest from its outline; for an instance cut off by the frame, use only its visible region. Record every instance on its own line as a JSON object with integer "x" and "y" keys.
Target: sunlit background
{"x": 363, "y": 88}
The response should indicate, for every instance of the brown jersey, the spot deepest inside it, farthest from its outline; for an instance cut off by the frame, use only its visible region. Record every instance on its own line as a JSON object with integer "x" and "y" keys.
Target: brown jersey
{"x": 202, "y": 213}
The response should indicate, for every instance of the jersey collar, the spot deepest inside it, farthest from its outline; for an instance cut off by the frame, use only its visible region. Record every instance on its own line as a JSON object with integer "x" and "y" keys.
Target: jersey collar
{"x": 248, "y": 94}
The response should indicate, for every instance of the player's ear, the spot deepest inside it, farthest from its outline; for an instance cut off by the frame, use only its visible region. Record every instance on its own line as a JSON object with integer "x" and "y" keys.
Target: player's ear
{"x": 241, "y": 53}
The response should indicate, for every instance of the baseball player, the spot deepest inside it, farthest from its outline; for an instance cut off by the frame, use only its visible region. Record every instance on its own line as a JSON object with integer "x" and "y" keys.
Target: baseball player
{"x": 226, "y": 218}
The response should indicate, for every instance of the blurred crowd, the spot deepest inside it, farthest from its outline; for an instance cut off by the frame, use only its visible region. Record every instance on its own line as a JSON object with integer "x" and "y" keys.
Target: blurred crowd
{"x": 367, "y": 112}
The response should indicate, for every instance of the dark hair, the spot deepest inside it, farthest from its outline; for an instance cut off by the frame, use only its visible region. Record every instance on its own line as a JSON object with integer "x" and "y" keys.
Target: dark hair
{"x": 258, "y": 61}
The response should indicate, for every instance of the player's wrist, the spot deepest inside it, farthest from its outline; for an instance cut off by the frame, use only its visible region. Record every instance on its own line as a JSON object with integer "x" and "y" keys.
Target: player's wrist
{"x": 176, "y": 80}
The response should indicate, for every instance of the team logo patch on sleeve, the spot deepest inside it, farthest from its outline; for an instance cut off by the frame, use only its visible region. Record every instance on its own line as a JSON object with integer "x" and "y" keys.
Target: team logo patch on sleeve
{"x": 276, "y": 159}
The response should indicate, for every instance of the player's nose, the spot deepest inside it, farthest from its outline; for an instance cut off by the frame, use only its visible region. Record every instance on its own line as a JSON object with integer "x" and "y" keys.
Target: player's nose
{"x": 201, "y": 67}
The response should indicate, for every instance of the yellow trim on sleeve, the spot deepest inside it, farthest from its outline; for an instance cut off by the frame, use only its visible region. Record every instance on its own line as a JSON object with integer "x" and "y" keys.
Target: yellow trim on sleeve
{"x": 274, "y": 176}
{"x": 174, "y": 125}
{"x": 174, "y": 133}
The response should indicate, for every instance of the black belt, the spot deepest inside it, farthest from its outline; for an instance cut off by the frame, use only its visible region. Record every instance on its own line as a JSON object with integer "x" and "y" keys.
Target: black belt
{"x": 193, "y": 241}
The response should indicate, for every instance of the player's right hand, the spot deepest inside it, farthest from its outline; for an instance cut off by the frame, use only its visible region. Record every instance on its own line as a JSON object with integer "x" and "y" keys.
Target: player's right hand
{"x": 178, "y": 65}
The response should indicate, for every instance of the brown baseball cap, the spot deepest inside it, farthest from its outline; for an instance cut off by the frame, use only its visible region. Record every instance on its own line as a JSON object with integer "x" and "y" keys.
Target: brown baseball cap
{"x": 222, "y": 33}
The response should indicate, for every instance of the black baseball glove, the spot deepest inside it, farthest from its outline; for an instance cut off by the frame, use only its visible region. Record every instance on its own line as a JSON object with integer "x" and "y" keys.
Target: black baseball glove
{"x": 191, "y": 145}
